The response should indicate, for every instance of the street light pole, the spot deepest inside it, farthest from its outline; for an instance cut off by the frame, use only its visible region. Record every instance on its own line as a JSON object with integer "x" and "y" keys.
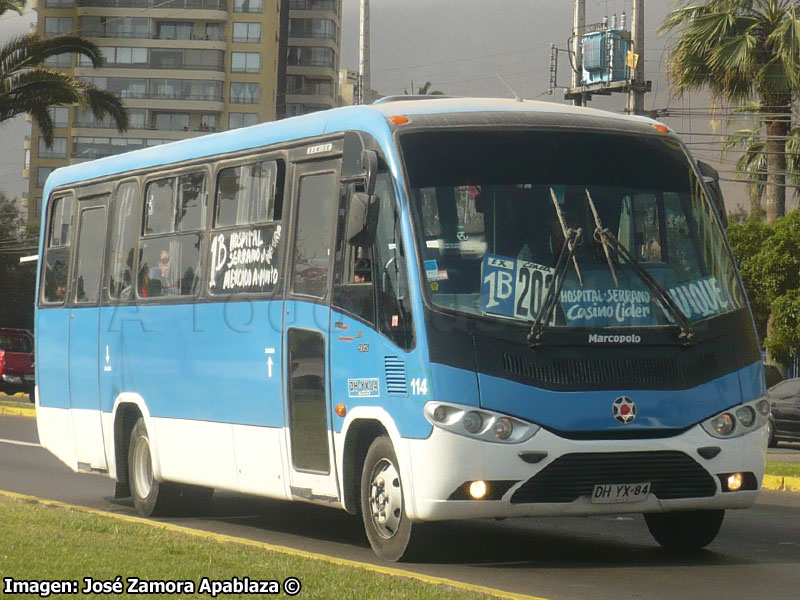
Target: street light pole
{"x": 364, "y": 84}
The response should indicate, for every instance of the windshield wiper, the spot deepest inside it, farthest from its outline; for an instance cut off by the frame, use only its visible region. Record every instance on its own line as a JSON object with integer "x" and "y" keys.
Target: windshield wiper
{"x": 563, "y": 223}
{"x": 599, "y": 226}
{"x": 572, "y": 238}
{"x": 605, "y": 237}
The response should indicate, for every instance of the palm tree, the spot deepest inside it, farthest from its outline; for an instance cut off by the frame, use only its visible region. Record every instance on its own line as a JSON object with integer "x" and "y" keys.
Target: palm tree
{"x": 424, "y": 90}
{"x": 751, "y": 165}
{"x": 26, "y": 86}
{"x": 741, "y": 50}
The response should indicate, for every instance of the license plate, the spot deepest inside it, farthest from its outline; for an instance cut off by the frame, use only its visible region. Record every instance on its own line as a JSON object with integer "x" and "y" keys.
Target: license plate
{"x": 29, "y": 377}
{"x": 615, "y": 493}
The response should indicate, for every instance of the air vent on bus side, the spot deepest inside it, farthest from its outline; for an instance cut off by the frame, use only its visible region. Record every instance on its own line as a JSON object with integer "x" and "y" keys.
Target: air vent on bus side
{"x": 610, "y": 369}
{"x": 395, "y": 368}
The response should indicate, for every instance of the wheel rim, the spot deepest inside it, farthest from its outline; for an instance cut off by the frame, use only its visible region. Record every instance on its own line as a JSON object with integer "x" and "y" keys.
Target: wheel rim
{"x": 385, "y": 499}
{"x": 142, "y": 467}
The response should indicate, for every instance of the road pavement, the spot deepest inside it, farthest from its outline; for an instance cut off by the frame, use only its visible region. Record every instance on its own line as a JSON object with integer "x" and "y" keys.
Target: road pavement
{"x": 757, "y": 553}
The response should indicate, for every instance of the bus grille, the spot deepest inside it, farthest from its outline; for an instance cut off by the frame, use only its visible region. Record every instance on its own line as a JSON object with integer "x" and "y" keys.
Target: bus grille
{"x": 671, "y": 474}
{"x": 610, "y": 369}
{"x": 395, "y": 368}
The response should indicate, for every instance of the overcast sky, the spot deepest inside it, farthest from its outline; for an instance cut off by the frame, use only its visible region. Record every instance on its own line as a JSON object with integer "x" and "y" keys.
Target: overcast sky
{"x": 13, "y": 131}
{"x": 461, "y": 47}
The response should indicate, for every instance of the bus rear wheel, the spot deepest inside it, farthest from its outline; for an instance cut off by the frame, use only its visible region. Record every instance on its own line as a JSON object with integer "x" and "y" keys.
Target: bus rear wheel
{"x": 685, "y": 531}
{"x": 150, "y": 497}
{"x": 387, "y": 526}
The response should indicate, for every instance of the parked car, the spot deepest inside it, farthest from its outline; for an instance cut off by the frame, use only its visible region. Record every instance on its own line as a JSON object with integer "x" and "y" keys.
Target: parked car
{"x": 784, "y": 422}
{"x": 16, "y": 362}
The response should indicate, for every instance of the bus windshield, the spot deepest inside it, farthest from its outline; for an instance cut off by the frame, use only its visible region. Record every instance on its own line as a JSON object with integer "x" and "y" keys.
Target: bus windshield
{"x": 494, "y": 207}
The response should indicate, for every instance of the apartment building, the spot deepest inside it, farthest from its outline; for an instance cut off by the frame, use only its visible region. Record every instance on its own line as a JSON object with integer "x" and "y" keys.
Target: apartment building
{"x": 185, "y": 68}
{"x": 313, "y": 39}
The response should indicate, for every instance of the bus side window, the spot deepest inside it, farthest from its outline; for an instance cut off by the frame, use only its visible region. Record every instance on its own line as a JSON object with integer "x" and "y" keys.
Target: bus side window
{"x": 389, "y": 270}
{"x": 89, "y": 266}
{"x": 169, "y": 259}
{"x": 353, "y": 289}
{"x": 123, "y": 239}
{"x": 57, "y": 254}
{"x": 247, "y": 216}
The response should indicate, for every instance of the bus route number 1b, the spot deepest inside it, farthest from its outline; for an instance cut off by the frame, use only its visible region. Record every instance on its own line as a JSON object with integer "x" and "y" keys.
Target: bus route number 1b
{"x": 513, "y": 288}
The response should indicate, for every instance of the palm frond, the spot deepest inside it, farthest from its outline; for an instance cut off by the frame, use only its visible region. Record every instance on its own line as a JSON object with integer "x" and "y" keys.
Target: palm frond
{"x": 104, "y": 103}
{"x": 31, "y": 50}
{"x": 36, "y": 90}
{"x": 16, "y": 5}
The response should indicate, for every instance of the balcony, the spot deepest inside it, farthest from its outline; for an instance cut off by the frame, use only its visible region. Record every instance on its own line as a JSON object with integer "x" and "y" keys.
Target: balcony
{"x": 326, "y": 5}
{"x": 146, "y": 35}
{"x": 142, "y": 127}
{"x": 221, "y": 5}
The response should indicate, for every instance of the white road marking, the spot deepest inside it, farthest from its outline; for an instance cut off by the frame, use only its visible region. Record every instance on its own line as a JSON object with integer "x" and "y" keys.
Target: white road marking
{"x": 18, "y": 443}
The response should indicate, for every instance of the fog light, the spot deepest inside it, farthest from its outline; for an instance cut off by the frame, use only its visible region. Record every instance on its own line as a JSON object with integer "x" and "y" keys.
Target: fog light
{"x": 724, "y": 424}
{"x": 746, "y": 415}
{"x": 472, "y": 422}
{"x": 503, "y": 428}
{"x": 477, "y": 489}
{"x": 439, "y": 414}
{"x": 735, "y": 481}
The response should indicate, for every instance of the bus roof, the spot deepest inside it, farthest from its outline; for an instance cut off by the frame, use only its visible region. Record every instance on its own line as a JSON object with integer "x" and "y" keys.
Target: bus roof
{"x": 370, "y": 119}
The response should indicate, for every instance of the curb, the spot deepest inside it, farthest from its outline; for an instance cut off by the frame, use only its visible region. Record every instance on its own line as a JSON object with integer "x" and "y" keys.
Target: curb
{"x": 781, "y": 483}
{"x": 222, "y": 538}
{"x": 19, "y": 411}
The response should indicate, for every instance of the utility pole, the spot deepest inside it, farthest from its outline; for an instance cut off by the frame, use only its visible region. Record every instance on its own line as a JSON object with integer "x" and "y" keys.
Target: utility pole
{"x": 364, "y": 84}
{"x": 613, "y": 61}
{"x": 637, "y": 91}
{"x": 578, "y": 27}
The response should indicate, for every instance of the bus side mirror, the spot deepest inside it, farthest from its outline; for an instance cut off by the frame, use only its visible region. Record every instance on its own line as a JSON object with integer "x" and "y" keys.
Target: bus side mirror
{"x": 711, "y": 178}
{"x": 369, "y": 164}
{"x": 362, "y": 219}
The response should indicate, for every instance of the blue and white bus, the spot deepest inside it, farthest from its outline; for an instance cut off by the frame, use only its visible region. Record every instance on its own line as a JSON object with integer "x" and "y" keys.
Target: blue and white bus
{"x": 417, "y": 310}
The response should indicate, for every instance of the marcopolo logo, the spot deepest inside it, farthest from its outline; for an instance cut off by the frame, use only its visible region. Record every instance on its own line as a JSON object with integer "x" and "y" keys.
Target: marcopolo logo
{"x": 624, "y": 410}
{"x": 595, "y": 338}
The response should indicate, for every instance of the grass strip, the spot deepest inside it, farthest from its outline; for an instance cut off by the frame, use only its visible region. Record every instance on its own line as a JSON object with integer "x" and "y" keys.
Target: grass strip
{"x": 39, "y": 542}
{"x": 785, "y": 469}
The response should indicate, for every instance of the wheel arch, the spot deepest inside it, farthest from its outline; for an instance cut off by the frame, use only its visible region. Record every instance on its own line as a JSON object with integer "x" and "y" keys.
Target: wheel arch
{"x": 358, "y": 438}
{"x": 127, "y": 410}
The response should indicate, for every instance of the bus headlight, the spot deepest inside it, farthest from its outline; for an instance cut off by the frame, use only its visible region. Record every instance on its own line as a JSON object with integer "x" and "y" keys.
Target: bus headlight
{"x": 746, "y": 415}
{"x": 478, "y": 423}
{"x": 738, "y": 421}
{"x": 724, "y": 424}
{"x": 503, "y": 428}
{"x": 472, "y": 422}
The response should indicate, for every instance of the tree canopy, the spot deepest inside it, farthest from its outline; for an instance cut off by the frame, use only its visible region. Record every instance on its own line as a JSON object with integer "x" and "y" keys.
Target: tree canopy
{"x": 28, "y": 86}
{"x": 743, "y": 50}
{"x": 769, "y": 261}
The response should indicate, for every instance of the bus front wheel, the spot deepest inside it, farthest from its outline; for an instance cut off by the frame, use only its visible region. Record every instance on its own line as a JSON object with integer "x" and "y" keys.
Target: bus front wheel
{"x": 382, "y": 508}
{"x": 687, "y": 530}
{"x": 150, "y": 497}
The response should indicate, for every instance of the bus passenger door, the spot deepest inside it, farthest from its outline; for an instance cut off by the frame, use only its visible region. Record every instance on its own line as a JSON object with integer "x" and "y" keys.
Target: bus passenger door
{"x": 84, "y": 330}
{"x": 312, "y": 468}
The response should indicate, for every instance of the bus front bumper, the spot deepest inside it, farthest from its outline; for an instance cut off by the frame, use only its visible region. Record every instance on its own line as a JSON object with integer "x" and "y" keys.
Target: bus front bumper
{"x": 549, "y": 475}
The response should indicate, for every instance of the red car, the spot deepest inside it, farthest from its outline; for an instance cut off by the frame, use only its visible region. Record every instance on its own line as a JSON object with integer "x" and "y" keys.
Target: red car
{"x": 16, "y": 362}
